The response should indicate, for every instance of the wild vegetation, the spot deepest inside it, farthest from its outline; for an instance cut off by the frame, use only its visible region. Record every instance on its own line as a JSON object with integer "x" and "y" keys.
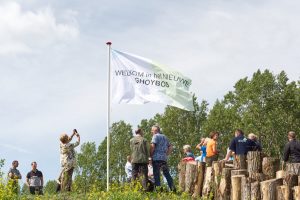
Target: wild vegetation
{"x": 265, "y": 104}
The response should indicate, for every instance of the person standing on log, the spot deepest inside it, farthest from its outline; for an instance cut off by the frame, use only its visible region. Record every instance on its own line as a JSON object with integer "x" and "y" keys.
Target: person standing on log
{"x": 292, "y": 149}
{"x": 240, "y": 146}
{"x": 159, "y": 150}
{"x": 211, "y": 148}
{"x": 139, "y": 154}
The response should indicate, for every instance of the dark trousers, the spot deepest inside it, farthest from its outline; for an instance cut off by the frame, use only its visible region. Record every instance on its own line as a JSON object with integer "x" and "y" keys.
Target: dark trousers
{"x": 140, "y": 168}
{"x": 66, "y": 182}
{"x": 36, "y": 190}
{"x": 209, "y": 160}
{"x": 162, "y": 165}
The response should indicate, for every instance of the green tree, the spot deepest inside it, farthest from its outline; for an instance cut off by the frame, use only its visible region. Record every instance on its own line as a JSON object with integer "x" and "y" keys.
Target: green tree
{"x": 50, "y": 187}
{"x": 266, "y": 104}
{"x": 120, "y": 134}
{"x": 86, "y": 171}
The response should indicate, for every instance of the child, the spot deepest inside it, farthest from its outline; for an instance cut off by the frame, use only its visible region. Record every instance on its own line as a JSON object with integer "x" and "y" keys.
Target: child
{"x": 188, "y": 154}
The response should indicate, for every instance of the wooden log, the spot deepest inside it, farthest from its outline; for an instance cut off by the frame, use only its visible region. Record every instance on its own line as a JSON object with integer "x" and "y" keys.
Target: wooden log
{"x": 217, "y": 176}
{"x": 239, "y": 172}
{"x": 245, "y": 188}
{"x": 255, "y": 191}
{"x": 239, "y": 162}
{"x": 200, "y": 180}
{"x": 270, "y": 166}
{"x": 190, "y": 176}
{"x": 225, "y": 185}
{"x": 268, "y": 188}
{"x": 280, "y": 174}
{"x": 293, "y": 168}
{"x": 236, "y": 191}
{"x": 296, "y": 192}
{"x": 290, "y": 180}
{"x": 257, "y": 177}
{"x": 282, "y": 192}
{"x": 254, "y": 162}
{"x": 208, "y": 181}
{"x": 182, "y": 168}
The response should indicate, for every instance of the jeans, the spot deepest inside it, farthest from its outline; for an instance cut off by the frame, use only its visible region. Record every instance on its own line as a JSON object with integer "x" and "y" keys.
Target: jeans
{"x": 162, "y": 165}
{"x": 140, "y": 168}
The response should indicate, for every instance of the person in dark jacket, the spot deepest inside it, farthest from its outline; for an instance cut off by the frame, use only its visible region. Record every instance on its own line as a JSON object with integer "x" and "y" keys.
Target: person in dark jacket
{"x": 240, "y": 145}
{"x": 140, "y": 153}
{"x": 292, "y": 149}
{"x": 255, "y": 146}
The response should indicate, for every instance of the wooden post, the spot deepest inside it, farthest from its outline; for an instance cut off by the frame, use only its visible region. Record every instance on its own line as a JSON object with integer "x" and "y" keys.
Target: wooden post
{"x": 293, "y": 168}
{"x": 290, "y": 180}
{"x": 208, "y": 181}
{"x": 200, "y": 180}
{"x": 255, "y": 191}
{"x": 280, "y": 174}
{"x": 236, "y": 192}
{"x": 270, "y": 166}
{"x": 182, "y": 168}
{"x": 282, "y": 193}
{"x": 268, "y": 188}
{"x": 239, "y": 162}
{"x": 225, "y": 184}
{"x": 217, "y": 176}
{"x": 254, "y": 162}
{"x": 245, "y": 188}
{"x": 190, "y": 176}
{"x": 239, "y": 172}
{"x": 296, "y": 190}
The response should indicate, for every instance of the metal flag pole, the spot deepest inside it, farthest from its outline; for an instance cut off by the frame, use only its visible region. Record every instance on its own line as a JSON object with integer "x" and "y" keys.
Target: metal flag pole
{"x": 108, "y": 118}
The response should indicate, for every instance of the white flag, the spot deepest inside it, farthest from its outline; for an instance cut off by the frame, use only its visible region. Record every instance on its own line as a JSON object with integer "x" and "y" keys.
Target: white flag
{"x": 138, "y": 80}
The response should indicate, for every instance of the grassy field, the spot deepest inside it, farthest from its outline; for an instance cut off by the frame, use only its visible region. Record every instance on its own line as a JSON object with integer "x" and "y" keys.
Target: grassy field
{"x": 116, "y": 192}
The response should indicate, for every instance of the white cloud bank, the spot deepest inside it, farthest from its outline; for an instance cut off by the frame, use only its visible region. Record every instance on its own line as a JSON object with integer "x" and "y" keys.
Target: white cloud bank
{"x": 25, "y": 31}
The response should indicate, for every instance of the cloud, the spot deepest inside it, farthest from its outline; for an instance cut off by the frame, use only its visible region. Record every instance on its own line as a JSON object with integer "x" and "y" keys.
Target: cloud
{"x": 15, "y": 148}
{"x": 26, "y": 31}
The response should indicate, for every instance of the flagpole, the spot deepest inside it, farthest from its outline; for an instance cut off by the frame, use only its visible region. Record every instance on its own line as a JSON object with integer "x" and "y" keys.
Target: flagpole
{"x": 108, "y": 118}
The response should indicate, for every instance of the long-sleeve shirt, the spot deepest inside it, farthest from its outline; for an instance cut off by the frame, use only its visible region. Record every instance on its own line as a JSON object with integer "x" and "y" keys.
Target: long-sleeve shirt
{"x": 292, "y": 149}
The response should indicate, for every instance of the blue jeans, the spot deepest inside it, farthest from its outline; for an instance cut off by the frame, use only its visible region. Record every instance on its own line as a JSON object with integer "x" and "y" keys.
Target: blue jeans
{"x": 162, "y": 165}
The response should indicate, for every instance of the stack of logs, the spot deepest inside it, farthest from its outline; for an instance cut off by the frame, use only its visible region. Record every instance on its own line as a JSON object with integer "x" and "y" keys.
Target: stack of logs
{"x": 262, "y": 180}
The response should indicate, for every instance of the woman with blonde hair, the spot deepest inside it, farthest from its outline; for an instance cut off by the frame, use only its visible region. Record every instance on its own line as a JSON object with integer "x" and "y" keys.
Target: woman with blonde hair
{"x": 202, "y": 147}
{"x": 67, "y": 160}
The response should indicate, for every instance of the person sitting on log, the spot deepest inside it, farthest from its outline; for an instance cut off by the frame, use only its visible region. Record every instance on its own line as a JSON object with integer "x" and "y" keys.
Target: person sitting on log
{"x": 188, "y": 153}
{"x": 240, "y": 146}
{"x": 252, "y": 147}
{"x": 202, "y": 147}
{"x": 211, "y": 149}
{"x": 292, "y": 149}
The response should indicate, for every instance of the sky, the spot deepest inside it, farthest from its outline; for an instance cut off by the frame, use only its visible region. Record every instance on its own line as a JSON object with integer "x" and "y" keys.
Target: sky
{"x": 54, "y": 61}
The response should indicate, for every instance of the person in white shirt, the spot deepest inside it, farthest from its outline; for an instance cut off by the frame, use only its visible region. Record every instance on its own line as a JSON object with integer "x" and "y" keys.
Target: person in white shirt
{"x": 128, "y": 169}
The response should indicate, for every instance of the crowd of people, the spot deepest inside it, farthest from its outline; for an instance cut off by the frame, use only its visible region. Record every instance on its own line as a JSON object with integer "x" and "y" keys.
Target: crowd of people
{"x": 160, "y": 147}
{"x": 148, "y": 159}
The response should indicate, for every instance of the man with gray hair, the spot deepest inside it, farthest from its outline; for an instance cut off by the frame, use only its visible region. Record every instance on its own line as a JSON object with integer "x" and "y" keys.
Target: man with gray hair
{"x": 159, "y": 150}
{"x": 292, "y": 149}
